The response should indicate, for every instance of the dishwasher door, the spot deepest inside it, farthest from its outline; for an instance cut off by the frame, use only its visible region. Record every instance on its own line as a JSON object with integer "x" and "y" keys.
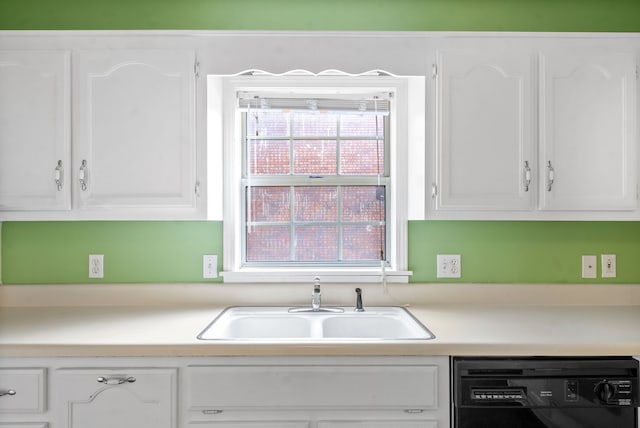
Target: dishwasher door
{"x": 544, "y": 392}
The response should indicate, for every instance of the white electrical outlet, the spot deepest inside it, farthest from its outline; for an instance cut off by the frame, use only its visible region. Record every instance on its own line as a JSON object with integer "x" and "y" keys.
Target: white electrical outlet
{"x": 96, "y": 265}
{"x": 449, "y": 266}
{"x": 608, "y": 265}
{"x": 589, "y": 267}
{"x": 209, "y": 266}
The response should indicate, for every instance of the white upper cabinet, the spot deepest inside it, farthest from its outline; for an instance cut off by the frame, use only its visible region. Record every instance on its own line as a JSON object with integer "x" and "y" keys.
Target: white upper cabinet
{"x": 588, "y": 130}
{"x": 34, "y": 131}
{"x": 536, "y": 129}
{"x": 484, "y": 143}
{"x": 134, "y": 129}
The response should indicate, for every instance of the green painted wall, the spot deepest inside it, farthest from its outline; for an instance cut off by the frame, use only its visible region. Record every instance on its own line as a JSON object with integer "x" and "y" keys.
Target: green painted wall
{"x": 136, "y": 251}
{"x": 524, "y": 252}
{"x": 56, "y": 252}
{"x": 411, "y": 15}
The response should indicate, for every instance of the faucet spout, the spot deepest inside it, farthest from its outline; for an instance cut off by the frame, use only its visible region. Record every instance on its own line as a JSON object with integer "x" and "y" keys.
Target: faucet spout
{"x": 316, "y": 296}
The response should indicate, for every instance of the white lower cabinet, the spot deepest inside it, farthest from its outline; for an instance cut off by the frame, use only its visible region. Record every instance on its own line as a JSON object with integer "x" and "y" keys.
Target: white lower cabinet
{"x": 225, "y": 392}
{"x": 23, "y": 399}
{"x": 328, "y": 392}
{"x": 115, "y": 397}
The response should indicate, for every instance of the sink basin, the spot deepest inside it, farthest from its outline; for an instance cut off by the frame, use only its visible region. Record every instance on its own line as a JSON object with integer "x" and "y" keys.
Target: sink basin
{"x": 281, "y": 324}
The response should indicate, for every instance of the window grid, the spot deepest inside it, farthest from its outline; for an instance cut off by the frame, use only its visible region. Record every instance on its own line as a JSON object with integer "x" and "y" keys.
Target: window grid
{"x": 299, "y": 181}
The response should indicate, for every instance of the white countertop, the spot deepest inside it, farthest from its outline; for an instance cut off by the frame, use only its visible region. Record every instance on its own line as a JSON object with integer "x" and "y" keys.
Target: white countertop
{"x": 460, "y": 329}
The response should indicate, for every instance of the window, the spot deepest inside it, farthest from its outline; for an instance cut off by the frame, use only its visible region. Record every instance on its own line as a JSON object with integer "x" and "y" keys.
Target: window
{"x": 315, "y": 180}
{"x": 312, "y": 184}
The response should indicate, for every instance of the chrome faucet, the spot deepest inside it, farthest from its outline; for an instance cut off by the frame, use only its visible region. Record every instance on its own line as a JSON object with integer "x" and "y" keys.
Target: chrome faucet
{"x": 316, "y": 296}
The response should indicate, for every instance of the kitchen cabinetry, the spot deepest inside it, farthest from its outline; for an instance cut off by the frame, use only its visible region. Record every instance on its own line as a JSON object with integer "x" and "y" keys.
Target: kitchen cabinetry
{"x": 134, "y": 116}
{"x": 588, "y": 130}
{"x": 536, "y": 130}
{"x": 485, "y": 129}
{"x": 35, "y": 130}
{"x": 231, "y": 392}
{"x": 122, "y": 397}
{"x": 134, "y": 137}
{"x": 326, "y": 392}
{"x": 22, "y": 397}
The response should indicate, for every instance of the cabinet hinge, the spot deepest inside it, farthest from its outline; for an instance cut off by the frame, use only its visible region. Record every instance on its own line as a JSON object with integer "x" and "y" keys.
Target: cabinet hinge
{"x": 197, "y": 189}
{"x": 434, "y": 190}
{"x": 196, "y": 68}
{"x": 434, "y": 70}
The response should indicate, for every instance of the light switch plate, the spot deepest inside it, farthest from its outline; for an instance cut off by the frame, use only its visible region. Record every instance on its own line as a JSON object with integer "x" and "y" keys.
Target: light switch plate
{"x": 209, "y": 266}
{"x": 608, "y": 265}
{"x": 589, "y": 267}
{"x": 449, "y": 266}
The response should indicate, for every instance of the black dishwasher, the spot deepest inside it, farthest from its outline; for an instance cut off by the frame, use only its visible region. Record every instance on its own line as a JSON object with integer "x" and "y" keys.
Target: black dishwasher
{"x": 539, "y": 392}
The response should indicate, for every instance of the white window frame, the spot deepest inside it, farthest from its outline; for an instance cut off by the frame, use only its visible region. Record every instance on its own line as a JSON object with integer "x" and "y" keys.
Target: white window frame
{"x": 226, "y": 114}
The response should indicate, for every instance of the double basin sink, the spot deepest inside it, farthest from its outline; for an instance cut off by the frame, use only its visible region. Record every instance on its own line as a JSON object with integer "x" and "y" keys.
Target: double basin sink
{"x": 247, "y": 323}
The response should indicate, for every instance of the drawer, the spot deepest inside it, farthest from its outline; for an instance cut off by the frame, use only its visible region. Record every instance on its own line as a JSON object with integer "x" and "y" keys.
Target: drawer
{"x": 24, "y": 425}
{"x": 23, "y": 390}
{"x": 313, "y": 387}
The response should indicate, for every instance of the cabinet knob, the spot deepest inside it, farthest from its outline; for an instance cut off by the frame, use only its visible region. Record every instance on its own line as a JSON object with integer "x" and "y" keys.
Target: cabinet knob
{"x": 7, "y": 392}
{"x": 116, "y": 380}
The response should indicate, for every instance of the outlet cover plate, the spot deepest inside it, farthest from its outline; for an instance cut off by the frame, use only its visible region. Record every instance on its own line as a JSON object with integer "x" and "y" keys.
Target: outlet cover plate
{"x": 449, "y": 266}
{"x": 96, "y": 265}
{"x": 209, "y": 266}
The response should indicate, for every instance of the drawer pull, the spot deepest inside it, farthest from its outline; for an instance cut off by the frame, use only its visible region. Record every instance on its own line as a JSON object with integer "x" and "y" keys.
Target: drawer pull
{"x": 116, "y": 380}
{"x": 212, "y": 411}
{"x": 414, "y": 411}
{"x": 8, "y": 392}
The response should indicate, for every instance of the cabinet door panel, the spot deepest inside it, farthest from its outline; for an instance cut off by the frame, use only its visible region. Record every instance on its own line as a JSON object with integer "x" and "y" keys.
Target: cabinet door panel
{"x": 379, "y": 424}
{"x": 135, "y": 128}
{"x": 251, "y": 424}
{"x": 34, "y": 130}
{"x": 588, "y": 118}
{"x": 485, "y": 127}
{"x": 83, "y": 401}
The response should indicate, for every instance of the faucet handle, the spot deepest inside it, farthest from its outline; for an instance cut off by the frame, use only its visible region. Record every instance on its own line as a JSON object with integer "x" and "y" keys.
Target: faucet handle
{"x": 359, "y": 307}
{"x": 316, "y": 284}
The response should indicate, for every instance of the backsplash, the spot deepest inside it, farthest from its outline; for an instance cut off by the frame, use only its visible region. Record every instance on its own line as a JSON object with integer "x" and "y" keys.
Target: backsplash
{"x": 524, "y": 251}
{"x": 165, "y": 252}
{"x": 134, "y": 251}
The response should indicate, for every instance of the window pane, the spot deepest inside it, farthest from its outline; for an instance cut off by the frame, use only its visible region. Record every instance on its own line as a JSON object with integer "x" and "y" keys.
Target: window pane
{"x": 269, "y": 204}
{"x": 363, "y": 203}
{"x": 316, "y": 243}
{"x": 313, "y": 157}
{"x": 316, "y": 124}
{"x": 362, "y": 157}
{"x": 268, "y": 124}
{"x": 363, "y": 242}
{"x": 316, "y": 204}
{"x": 355, "y": 125}
{"x": 268, "y": 243}
{"x": 269, "y": 157}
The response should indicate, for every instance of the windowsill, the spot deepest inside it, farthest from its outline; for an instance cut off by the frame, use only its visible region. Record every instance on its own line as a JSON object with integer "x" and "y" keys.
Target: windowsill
{"x": 355, "y": 275}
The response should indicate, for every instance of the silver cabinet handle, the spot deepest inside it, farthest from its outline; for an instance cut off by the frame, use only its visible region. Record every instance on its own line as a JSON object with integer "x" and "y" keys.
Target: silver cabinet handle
{"x": 82, "y": 175}
{"x": 7, "y": 392}
{"x": 59, "y": 175}
{"x": 527, "y": 176}
{"x": 116, "y": 380}
{"x": 550, "y": 176}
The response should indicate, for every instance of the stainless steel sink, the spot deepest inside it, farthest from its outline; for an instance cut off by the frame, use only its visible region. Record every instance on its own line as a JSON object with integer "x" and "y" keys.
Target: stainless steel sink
{"x": 247, "y": 323}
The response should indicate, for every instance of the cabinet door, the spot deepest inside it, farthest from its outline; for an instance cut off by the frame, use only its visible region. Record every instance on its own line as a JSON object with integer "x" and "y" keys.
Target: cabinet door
{"x": 588, "y": 136}
{"x": 123, "y": 398}
{"x": 34, "y": 130}
{"x": 134, "y": 132}
{"x": 379, "y": 424}
{"x": 484, "y": 146}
